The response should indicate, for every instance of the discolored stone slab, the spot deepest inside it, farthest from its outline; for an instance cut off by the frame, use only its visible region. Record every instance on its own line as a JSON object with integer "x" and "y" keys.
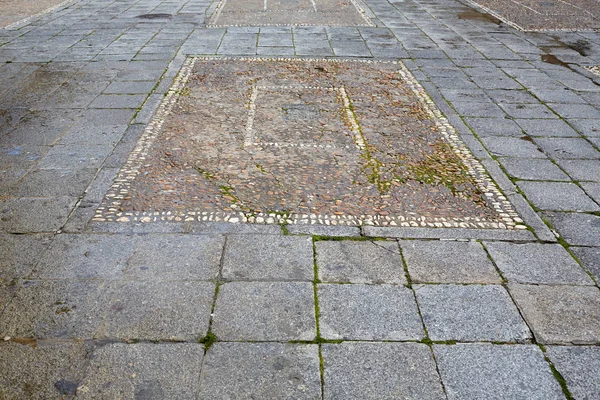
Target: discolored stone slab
{"x": 355, "y": 370}
{"x": 143, "y": 371}
{"x": 308, "y": 142}
{"x": 580, "y": 366}
{"x": 280, "y": 13}
{"x": 487, "y": 371}
{"x": 560, "y": 314}
{"x": 261, "y": 371}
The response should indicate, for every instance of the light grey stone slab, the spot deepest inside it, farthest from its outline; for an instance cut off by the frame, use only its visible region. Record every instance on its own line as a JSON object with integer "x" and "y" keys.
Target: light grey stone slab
{"x": 20, "y": 253}
{"x": 265, "y": 311}
{"x": 75, "y": 156}
{"x": 175, "y": 257}
{"x": 55, "y": 183}
{"x": 359, "y": 261}
{"x": 55, "y": 309}
{"x": 494, "y": 127}
{"x": 261, "y": 371}
{"x": 448, "y": 233}
{"x": 558, "y": 196}
{"x": 592, "y": 189}
{"x": 582, "y": 170}
{"x": 35, "y": 214}
{"x": 546, "y": 127}
{"x": 512, "y": 147}
{"x": 143, "y": 371}
{"x": 368, "y": 312}
{"x": 40, "y": 369}
{"x": 265, "y": 257}
{"x": 580, "y": 367}
{"x": 537, "y": 263}
{"x": 533, "y": 169}
{"x": 85, "y": 256}
{"x": 590, "y": 258}
{"x": 355, "y": 370}
{"x": 448, "y": 262}
{"x": 576, "y": 228}
{"x": 158, "y": 311}
{"x": 470, "y": 313}
{"x": 324, "y": 230}
{"x": 567, "y": 148}
{"x": 487, "y": 371}
{"x": 560, "y": 314}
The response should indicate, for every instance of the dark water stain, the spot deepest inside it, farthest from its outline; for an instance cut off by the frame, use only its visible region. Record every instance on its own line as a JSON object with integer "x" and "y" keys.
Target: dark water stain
{"x": 155, "y": 16}
{"x": 65, "y": 387}
{"x": 552, "y": 59}
{"x": 526, "y": 138}
{"x": 473, "y": 15}
{"x": 26, "y": 341}
{"x": 581, "y": 46}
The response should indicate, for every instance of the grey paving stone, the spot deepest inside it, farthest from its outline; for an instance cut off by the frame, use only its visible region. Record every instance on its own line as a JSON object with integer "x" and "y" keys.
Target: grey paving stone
{"x": 380, "y": 371}
{"x": 368, "y": 312}
{"x": 533, "y": 169}
{"x": 590, "y": 258}
{"x": 560, "y": 314}
{"x": 487, "y": 371}
{"x": 576, "y": 228}
{"x": 158, "y": 311}
{"x": 136, "y": 87}
{"x": 35, "y": 214}
{"x": 85, "y": 257}
{"x": 20, "y": 253}
{"x": 546, "y": 127}
{"x": 537, "y": 263}
{"x": 478, "y": 109}
{"x": 75, "y": 156}
{"x": 261, "y": 371}
{"x": 324, "y": 230}
{"x": 567, "y": 148}
{"x": 55, "y": 309}
{"x": 592, "y": 189}
{"x": 175, "y": 257}
{"x": 587, "y": 127}
{"x": 494, "y": 127}
{"x": 93, "y": 134}
{"x": 512, "y": 147}
{"x": 575, "y": 110}
{"x": 265, "y": 257}
{"x": 580, "y": 366}
{"x": 538, "y": 111}
{"x": 470, "y": 313}
{"x": 265, "y": 311}
{"x": 448, "y": 262}
{"x": 510, "y": 96}
{"x": 582, "y": 170}
{"x": 143, "y": 371}
{"x": 558, "y": 196}
{"x": 40, "y": 369}
{"x": 55, "y": 182}
{"x": 359, "y": 262}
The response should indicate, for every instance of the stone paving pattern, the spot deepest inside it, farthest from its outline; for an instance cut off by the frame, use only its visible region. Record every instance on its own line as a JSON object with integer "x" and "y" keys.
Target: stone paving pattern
{"x": 102, "y": 310}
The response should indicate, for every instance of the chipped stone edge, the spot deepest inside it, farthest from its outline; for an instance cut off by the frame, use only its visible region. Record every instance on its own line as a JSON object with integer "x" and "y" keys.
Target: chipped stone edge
{"x": 108, "y": 211}
{"x": 212, "y": 21}
{"x": 18, "y": 24}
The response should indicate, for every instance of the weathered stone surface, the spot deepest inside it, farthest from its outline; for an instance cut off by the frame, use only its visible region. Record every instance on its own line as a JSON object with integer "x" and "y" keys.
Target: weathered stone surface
{"x": 265, "y": 311}
{"x": 20, "y": 253}
{"x": 590, "y": 258}
{"x": 487, "y": 371}
{"x": 580, "y": 366}
{"x": 448, "y": 262}
{"x": 380, "y": 371}
{"x": 359, "y": 262}
{"x": 261, "y": 371}
{"x": 560, "y": 314}
{"x": 470, "y": 313}
{"x": 576, "y": 228}
{"x": 368, "y": 312}
{"x": 263, "y": 257}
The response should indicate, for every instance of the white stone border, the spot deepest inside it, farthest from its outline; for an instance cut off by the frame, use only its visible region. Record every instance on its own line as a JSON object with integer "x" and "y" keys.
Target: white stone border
{"x": 24, "y": 21}
{"x": 212, "y": 20}
{"x": 108, "y": 211}
{"x": 593, "y": 69}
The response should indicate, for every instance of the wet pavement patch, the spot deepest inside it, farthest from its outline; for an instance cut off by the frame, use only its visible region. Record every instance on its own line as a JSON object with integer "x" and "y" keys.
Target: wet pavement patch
{"x": 155, "y": 16}
{"x": 292, "y": 141}
{"x": 289, "y": 13}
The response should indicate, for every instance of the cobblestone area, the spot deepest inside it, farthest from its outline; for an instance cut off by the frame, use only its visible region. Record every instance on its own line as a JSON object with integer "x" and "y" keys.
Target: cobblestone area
{"x": 213, "y": 309}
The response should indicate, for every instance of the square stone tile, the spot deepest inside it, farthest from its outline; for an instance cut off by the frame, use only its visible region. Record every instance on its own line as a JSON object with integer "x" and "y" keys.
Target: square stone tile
{"x": 537, "y": 263}
{"x": 85, "y": 257}
{"x": 175, "y": 257}
{"x": 355, "y": 370}
{"x": 580, "y": 366}
{"x": 55, "y": 182}
{"x": 359, "y": 262}
{"x": 568, "y": 148}
{"x": 558, "y": 196}
{"x": 55, "y": 309}
{"x": 560, "y": 314}
{"x": 261, "y": 371}
{"x": 265, "y": 311}
{"x": 546, "y": 127}
{"x": 590, "y": 258}
{"x": 582, "y": 170}
{"x": 266, "y": 257}
{"x": 35, "y": 214}
{"x": 533, "y": 169}
{"x": 512, "y": 147}
{"x": 470, "y": 313}
{"x": 40, "y": 369}
{"x": 448, "y": 262}
{"x": 368, "y": 312}
{"x": 576, "y": 228}
{"x": 487, "y": 371}
{"x": 20, "y": 253}
{"x": 158, "y": 311}
{"x": 278, "y": 13}
{"x": 143, "y": 371}
{"x": 592, "y": 189}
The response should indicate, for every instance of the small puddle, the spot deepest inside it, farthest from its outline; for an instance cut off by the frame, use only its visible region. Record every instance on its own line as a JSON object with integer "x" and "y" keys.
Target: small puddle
{"x": 552, "y": 59}
{"x": 473, "y": 15}
{"x": 155, "y": 16}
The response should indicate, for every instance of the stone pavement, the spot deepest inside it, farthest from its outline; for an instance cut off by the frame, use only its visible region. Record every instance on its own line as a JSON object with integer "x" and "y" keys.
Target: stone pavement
{"x": 171, "y": 305}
